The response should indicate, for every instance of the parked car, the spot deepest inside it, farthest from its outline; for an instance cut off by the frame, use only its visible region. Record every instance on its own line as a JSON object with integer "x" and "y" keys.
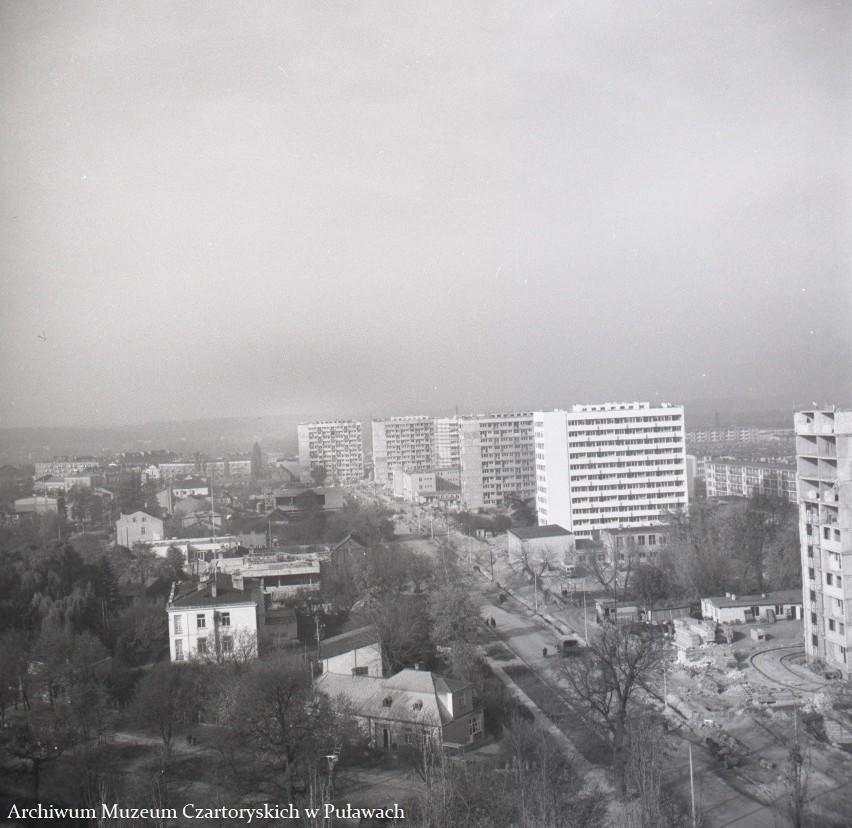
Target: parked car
{"x": 571, "y": 647}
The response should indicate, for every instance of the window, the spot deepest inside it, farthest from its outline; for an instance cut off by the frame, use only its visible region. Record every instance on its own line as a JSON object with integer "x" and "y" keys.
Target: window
{"x": 839, "y": 580}
{"x": 201, "y": 621}
{"x": 641, "y": 540}
{"x": 360, "y": 671}
{"x": 813, "y": 619}
{"x": 815, "y": 640}
{"x": 652, "y": 540}
{"x": 811, "y": 573}
{"x": 202, "y": 646}
{"x": 475, "y": 725}
{"x": 227, "y": 644}
{"x": 225, "y": 619}
{"x": 143, "y": 530}
{"x": 178, "y": 650}
{"x": 829, "y": 579}
{"x": 178, "y": 625}
{"x": 831, "y": 624}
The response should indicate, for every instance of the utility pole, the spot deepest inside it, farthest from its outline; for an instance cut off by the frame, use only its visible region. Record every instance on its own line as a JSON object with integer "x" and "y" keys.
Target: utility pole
{"x": 692, "y": 786}
{"x": 585, "y": 617}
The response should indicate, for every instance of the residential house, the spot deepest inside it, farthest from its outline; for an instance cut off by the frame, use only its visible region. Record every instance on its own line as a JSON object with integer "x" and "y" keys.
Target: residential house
{"x": 409, "y": 708}
{"x": 137, "y": 527}
{"x": 348, "y": 557}
{"x": 213, "y": 619}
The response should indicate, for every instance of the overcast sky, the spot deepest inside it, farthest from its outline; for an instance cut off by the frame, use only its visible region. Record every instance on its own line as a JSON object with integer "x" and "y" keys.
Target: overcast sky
{"x": 243, "y": 208}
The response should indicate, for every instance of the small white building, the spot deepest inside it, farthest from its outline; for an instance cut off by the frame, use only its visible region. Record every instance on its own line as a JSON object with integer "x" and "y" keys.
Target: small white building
{"x": 213, "y": 620}
{"x": 743, "y": 609}
{"x": 552, "y": 540}
{"x": 354, "y": 653}
{"x": 138, "y": 527}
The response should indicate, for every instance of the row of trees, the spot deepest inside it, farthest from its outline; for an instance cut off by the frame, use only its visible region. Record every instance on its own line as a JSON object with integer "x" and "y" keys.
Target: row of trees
{"x": 751, "y": 545}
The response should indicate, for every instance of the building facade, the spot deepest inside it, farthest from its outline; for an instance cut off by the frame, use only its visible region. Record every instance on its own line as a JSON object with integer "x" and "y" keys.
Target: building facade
{"x": 824, "y": 469}
{"x": 336, "y": 446}
{"x": 137, "y": 528}
{"x": 610, "y": 465}
{"x": 726, "y": 478}
{"x": 212, "y": 620}
{"x": 402, "y": 442}
{"x": 497, "y": 459}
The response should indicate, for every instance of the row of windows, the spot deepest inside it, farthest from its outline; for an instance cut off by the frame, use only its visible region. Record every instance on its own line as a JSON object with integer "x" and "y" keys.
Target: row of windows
{"x": 201, "y": 647}
{"x": 224, "y": 619}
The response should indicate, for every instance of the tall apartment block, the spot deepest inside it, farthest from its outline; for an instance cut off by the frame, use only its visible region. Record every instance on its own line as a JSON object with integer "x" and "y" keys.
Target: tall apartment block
{"x": 824, "y": 470}
{"x": 337, "y": 446}
{"x": 609, "y": 466}
{"x": 446, "y": 448}
{"x": 497, "y": 458}
{"x": 402, "y": 443}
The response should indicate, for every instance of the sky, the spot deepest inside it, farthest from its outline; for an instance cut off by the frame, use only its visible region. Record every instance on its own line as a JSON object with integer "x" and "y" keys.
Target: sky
{"x": 244, "y": 208}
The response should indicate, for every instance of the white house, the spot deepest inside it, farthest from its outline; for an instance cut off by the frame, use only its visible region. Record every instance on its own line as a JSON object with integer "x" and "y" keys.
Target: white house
{"x": 137, "y": 528}
{"x": 212, "y": 619}
{"x": 354, "y": 653}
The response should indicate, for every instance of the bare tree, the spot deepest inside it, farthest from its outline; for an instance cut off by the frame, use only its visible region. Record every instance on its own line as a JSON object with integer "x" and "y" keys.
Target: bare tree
{"x": 795, "y": 781}
{"x": 655, "y": 803}
{"x": 603, "y": 683}
{"x": 614, "y": 571}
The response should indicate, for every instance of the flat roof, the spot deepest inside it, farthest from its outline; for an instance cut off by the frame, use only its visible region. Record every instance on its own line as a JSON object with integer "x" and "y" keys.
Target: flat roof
{"x": 552, "y": 530}
{"x": 784, "y": 596}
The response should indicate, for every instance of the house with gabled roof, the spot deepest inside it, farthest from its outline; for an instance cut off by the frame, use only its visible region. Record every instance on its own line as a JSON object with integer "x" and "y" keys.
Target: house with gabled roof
{"x": 354, "y": 653}
{"x": 409, "y": 708}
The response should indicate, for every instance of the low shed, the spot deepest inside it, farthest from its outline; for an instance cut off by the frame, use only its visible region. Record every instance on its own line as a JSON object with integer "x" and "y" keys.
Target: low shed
{"x": 744, "y": 609}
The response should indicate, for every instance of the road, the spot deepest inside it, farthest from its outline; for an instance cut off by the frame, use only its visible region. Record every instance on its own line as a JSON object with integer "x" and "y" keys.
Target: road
{"x": 526, "y": 635}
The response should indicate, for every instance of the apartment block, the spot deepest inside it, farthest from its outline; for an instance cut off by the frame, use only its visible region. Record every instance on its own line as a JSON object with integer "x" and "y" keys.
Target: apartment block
{"x": 446, "y": 450}
{"x": 402, "y": 443}
{"x": 725, "y": 478}
{"x": 824, "y": 468}
{"x": 610, "y": 466}
{"x": 497, "y": 459}
{"x": 337, "y": 446}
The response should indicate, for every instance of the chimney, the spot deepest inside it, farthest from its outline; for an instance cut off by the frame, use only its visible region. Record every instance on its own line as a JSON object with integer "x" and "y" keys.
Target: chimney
{"x": 213, "y": 588}
{"x": 733, "y": 597}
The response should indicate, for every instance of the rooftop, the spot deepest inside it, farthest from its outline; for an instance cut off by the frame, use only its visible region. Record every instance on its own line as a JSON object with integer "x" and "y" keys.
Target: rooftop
{"x": 553, "y": 530}
{"x": 195, "y": 594}
{"x": 784, "y": 596}
{"x": 348, "y": 641}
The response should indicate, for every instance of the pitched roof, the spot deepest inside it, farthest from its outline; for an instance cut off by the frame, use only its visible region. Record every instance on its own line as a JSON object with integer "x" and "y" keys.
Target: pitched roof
{"x": 553, "y": 530}
{"x": 348, "y": 641}
{"x": 193, "y": 594}
{"x": 409, "y": 696}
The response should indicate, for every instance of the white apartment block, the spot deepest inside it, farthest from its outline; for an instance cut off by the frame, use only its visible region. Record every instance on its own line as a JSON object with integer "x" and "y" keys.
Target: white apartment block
{"x": 497, "y": 459}
{"x": 402, "y": 442}
{"x": 824, "y": 468}
{"x": 446, "y": 451}
{"x": 609, "y": 466}
{"x": 726, "y": 478}
{"x": 337, "y": 446}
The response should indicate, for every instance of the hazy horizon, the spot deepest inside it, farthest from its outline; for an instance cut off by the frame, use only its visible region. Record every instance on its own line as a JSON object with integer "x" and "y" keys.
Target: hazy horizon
{"x": 252, "y": 210}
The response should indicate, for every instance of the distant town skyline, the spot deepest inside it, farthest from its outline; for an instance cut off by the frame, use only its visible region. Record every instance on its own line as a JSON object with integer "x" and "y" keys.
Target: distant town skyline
{"x": 236, "y": 210}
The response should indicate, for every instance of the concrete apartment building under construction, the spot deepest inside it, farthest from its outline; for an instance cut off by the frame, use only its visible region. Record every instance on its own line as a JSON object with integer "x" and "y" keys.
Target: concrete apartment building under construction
{"x": 824, "y": 470}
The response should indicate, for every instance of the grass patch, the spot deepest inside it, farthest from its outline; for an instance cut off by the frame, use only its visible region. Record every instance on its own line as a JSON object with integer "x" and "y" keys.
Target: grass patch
{"x": 593, "y": 748}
